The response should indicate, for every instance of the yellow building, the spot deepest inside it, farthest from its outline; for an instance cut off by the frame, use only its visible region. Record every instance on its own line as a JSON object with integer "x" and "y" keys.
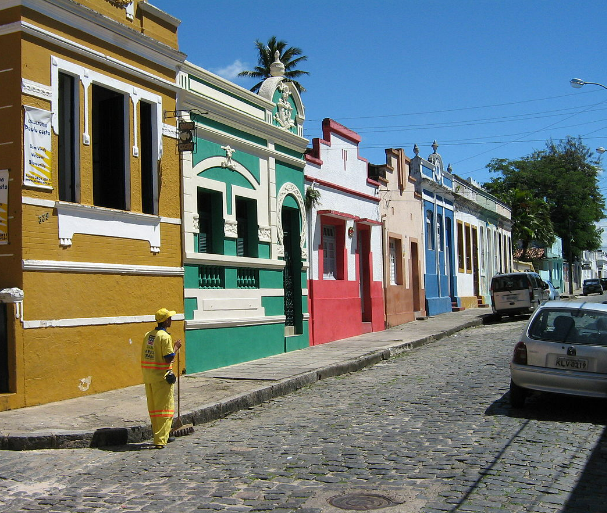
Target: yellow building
{"x": 90, "y": 198}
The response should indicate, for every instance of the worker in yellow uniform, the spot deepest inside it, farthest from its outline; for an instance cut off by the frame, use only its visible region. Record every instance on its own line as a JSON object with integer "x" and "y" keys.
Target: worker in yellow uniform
{"x": 157, "y": 355}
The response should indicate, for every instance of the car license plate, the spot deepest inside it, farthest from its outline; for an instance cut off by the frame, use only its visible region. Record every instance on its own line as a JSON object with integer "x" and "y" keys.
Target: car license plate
{"x": 563, "y": 362}
{"x": 511, "y": 297}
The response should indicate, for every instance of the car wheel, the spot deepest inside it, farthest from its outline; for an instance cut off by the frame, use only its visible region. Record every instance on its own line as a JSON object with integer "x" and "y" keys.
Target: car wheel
{"x": 517, "y": 395}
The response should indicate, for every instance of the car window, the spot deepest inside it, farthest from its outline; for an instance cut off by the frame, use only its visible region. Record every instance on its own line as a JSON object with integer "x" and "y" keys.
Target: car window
{"x": 570, "y": 326}
{"x": 509, "y": 282}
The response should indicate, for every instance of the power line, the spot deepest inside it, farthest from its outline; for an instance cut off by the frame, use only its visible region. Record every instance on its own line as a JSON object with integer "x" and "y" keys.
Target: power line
{"x": 465, "y": 108}
{"x": 493, "y": 120}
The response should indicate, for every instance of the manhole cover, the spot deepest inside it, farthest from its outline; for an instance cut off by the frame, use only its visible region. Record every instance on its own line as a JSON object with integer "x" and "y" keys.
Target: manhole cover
{"x": 361, "y": 501}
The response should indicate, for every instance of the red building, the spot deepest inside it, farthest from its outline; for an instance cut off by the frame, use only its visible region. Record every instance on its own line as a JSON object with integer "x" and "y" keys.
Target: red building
{"x": 345, "y": 278}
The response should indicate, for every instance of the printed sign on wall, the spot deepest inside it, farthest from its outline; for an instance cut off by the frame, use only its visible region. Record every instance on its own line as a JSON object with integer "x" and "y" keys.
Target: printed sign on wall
{"x": 3, "y": 206}
{"x": 37, "y": 148}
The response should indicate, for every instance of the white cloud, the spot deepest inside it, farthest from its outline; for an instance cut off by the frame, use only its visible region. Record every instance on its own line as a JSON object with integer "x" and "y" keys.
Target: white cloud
{"x": 231, "y": 72}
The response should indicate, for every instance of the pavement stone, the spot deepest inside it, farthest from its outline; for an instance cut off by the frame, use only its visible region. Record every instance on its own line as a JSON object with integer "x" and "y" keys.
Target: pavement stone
{"x": 120, "y": 416}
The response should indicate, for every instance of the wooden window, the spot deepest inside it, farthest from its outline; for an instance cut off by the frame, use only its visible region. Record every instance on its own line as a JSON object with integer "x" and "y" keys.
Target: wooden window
{"x": 440, "y": 240}
{"x": 148, "y": 158}
{"x": 482, "y": 248}
{"x": 67, "y": 139}
{"x": 468, "y": 237}
{"x": 210, "y": 219}
{"x": 329, "y": 260}
{"x": 396, "y": 261}
{"x": 429, "y": 229}
{"x": 246, "y": 217}
{"x": 393, "y": 262}
{"x": 109, "y": 127}
{"x": 461, "y": 264}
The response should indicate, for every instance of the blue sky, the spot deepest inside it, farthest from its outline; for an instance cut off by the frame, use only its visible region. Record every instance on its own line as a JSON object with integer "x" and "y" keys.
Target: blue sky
{"x": 486, "y": 79}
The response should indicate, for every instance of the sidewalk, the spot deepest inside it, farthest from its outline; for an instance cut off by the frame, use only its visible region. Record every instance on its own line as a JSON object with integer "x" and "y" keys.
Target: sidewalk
{"x": 120, "y": 416}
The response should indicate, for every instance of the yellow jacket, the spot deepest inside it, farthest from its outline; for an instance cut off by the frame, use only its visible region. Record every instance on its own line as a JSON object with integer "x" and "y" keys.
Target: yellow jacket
{"x": 156, "y": 345}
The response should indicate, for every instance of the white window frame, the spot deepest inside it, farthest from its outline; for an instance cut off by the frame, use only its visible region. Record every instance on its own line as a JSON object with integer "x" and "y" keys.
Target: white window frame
{"x": 329, "y": 253}
{"x": 87, "y": 77}
{"x": 393, "y": 263}
{"x": 429, "y": 230}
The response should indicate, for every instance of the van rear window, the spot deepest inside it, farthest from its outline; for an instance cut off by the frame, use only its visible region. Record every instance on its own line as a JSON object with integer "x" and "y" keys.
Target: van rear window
{"x": 505, "y": 283}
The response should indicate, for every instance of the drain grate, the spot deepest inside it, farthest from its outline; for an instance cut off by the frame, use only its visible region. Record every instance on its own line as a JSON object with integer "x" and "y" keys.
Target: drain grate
{"x": 361, "y": 501}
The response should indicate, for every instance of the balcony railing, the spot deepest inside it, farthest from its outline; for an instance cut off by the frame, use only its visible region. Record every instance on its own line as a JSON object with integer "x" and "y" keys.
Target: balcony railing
{"x": 247, "y": 278}
{"x": 211, "y": 277}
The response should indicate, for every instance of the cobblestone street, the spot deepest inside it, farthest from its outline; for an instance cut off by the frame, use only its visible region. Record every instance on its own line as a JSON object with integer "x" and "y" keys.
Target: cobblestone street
{"x": 429, "y": 431}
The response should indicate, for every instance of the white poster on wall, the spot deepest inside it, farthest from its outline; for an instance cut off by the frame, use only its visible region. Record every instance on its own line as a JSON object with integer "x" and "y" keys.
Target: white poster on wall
{"x": 37, "y": 169}
{"x": 3, "y": 206}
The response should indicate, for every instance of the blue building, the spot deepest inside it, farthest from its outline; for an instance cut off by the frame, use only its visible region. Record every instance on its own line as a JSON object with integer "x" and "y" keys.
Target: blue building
{"x": 435, "y": 186}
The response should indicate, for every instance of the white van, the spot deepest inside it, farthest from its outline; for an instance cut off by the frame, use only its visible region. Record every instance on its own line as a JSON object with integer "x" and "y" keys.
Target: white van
{"x": 517, "y": 293}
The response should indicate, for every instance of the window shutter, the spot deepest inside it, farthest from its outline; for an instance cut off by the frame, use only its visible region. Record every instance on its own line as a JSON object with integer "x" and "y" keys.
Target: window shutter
{"x": 202, "y": 243}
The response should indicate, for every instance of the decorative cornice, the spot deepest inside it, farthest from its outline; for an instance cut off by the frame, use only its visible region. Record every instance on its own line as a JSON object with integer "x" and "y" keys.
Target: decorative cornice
{"x": 99, "y": 267}
{"x": 106, "y": 29}
{"x": 95, "y": 55}
{"x": 252, "y": 147}
{"x": 330, "y": 185}
{"x": 158, "y": 13}
{"x": 233, "y": 117}
{"x": 93, "y": 321}
{"x": 230, "y": 229}
{"x": 223, "y": 84}
{"x": 170, "y": 131}
{"x": 36, "y": 89}
{"x": 231, "y": 261}
{"x": 120, "y": 3}
{"x": 229, "y": 323}
{"x": 40, "y": 202}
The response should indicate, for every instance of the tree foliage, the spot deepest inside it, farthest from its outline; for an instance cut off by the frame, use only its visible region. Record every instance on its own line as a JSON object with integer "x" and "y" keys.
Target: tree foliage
{"x": 291, "y": 57}
{"x": 530, "y": 219}
{"x": 564, "y": 176}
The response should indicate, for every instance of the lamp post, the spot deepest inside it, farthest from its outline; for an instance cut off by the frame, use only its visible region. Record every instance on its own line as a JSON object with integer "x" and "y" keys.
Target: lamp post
{"x": 577, "y": 83}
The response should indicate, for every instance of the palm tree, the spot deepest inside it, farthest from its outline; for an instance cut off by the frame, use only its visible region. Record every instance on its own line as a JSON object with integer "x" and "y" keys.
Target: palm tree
{"x": 266, "y": 57}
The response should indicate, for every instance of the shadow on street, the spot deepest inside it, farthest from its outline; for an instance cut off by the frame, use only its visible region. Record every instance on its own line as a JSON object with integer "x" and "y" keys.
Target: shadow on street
{"x": 590, "y": 490}
{"x": 491, "y": 318}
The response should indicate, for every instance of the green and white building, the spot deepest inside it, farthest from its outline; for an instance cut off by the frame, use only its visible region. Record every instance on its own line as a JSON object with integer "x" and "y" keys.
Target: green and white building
{"x": 244, "y": 219}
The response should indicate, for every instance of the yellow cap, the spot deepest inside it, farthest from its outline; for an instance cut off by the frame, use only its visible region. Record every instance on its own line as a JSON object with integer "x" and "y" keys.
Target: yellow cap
{"x": 163, "y": 314}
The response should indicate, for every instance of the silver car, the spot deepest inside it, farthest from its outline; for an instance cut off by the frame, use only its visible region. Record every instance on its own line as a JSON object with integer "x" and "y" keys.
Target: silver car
{"x": 563, "y": 349}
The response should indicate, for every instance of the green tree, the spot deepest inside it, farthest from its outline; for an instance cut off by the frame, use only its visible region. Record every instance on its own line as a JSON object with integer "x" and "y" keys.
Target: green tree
{"x": 291, "y": 57}
{"x": 565, "y": 176}
{"x": 530, "y": 219}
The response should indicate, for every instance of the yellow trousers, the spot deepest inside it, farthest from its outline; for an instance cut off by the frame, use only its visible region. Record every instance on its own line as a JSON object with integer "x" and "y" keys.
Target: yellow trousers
{"x": 161, "y": 407}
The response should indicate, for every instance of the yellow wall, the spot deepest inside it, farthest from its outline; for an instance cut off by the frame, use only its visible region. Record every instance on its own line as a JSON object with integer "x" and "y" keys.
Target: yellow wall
{"x": 469, "y": 301}
{"x": 41, "y": 242}
{"x": 11, "y": 154}
{"x": 59, "y": 358}
{"x": 152, "y": 26}
{"x": 48, "y": 364}
{"x": 53, "y": 295}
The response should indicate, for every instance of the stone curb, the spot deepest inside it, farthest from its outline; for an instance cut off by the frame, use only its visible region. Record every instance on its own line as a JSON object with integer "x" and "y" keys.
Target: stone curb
{"x": 104, "y": 437}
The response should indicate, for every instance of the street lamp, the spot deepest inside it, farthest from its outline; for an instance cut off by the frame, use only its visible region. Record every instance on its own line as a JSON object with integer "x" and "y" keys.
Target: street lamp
{"x": 578, "y": 82}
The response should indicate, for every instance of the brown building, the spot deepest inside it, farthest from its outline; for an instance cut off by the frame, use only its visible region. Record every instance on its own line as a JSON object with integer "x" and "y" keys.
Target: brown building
{"x": 401, "y": 213}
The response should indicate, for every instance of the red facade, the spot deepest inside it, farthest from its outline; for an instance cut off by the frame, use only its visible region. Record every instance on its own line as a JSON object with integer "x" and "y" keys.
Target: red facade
{"x": 345, "y": 288}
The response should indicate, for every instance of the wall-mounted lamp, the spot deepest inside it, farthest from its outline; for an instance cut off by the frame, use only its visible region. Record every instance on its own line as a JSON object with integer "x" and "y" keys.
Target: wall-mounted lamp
{"x": 186, "y": 132}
